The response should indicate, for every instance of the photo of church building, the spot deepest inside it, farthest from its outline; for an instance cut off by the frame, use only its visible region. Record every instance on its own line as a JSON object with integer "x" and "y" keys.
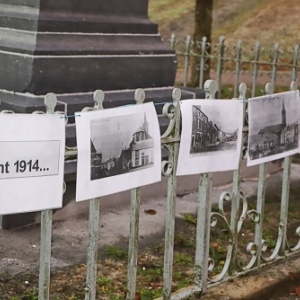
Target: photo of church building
{"x": 121, "y": 150}
{"x": 273, "y": 125}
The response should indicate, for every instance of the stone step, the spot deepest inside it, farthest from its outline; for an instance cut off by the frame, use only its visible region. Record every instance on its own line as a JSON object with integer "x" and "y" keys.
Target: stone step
{"x": 27, "y": 42}
{"x": 80, "y": 74}
{"x": 71, "y": 103}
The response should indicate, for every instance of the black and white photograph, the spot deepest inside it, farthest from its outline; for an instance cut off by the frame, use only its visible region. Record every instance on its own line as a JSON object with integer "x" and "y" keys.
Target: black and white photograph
{"x": 211, "y": 136}
{"x": 273, "y": 127}
{"x": 120, "y": 145}
{"x": 118, "y": 149}
{"x": 211, "y": 132}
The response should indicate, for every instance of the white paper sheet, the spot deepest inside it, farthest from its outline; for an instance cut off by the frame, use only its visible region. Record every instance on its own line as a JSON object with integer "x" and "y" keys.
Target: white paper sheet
{"x": 211, "y": 136}
{"x": 273, "y": 127}
{"x": 118, "y": 149}
{"x": 31, "y": 162}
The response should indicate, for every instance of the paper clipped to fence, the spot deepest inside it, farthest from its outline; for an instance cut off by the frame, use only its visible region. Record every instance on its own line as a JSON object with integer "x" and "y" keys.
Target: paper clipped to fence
{"x": 118, "y": 149}
{"x": 211, "y": 136}
{"x": 32, "y": 162}
{"x": 273, "y": 127}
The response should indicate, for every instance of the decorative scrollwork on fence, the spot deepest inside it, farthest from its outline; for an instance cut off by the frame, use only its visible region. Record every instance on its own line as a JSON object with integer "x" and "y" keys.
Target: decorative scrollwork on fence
{"x": 215, "y": 217}
{"x": 171, "y": 111}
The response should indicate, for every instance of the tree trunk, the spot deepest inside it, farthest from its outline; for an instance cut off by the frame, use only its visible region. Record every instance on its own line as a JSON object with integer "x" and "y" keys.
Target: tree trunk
{"x": 203, "y": 28}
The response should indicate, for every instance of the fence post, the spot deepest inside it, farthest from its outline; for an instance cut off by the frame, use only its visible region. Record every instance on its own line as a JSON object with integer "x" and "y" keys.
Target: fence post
{"x": 173, "y": 41}
{"x": 295, "y": 63}
{"x": 220, "y": 57}
{"x": 139, "y": 97}
{"x": 94, "y": 207}
{"x": 203, "y": 213}
{"x": 46, "y": 228}
{"x": 186, "y": 60}
{"x": 202, "y": 68}
{"x": 169, "y": 169}
{"x": 238, "y": 50}
{"x": 260, "y": 205}
{"x": 274, "y": 66}
{"x": 285, "y": 194}
{"x": 235, "y": 200}
{"x": 255, "y": 68}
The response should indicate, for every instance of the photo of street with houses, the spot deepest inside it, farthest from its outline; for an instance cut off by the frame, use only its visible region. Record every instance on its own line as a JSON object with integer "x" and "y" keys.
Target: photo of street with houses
{"x": 120, "y": 145}
{"x": 213, "y": 129}
{"x": 273, "y": 125}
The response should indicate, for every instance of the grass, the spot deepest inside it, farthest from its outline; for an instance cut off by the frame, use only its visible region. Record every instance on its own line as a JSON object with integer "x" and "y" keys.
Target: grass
{"x": 114, "y": 252}
{"x": 166, "y": 11}
{"x": 249, "y": 20}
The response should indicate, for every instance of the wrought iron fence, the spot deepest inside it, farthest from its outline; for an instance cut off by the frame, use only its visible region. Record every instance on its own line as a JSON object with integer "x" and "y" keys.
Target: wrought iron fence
{"x": 255, "y": 65}
{"x": 233, "y": 220}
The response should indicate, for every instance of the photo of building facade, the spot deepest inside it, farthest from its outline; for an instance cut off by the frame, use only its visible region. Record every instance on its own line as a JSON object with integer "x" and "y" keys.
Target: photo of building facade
{"x": 207, "y": 132}
{"x": 271, "y": 139}
{"x": 129, "y": 152}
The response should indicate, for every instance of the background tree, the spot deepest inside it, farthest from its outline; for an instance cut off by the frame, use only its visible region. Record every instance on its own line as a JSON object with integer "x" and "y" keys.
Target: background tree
{"x": 203, "y": 27}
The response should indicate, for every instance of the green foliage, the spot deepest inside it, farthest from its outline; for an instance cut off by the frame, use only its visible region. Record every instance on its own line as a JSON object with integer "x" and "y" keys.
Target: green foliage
{"x": 183, "y": 240}
{"x": 184, "y": 282}
{"x": 269, "y": 235}
{"x": 149, "y": 294}
{"x": 116, "y": 297}
{"x": 190, "y": 219}
{"x": 182, "y": 259}
{"x": 103, "y": 281}
{"x": 151, "y": 274}
{"x": 114, "y": 252}
{"x": 30, "y": 295}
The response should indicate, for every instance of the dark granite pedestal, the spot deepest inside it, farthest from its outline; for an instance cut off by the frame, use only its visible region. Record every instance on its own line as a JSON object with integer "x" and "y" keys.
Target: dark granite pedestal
{"x": 74, "y": 47}
{"x": 78, "y": 46}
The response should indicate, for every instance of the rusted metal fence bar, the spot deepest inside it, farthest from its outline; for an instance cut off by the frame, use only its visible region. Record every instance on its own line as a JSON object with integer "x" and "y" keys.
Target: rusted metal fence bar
{"x": 255, "y": 64}
{"x": 238, "y": 62}
{"x": 139, "y": 97}
{"x": 285, "y": 195}
{"x": 236, "y": 197}
{"x": 203, "y": 214}
{"x": 260, "y": 205}
{"x": 46, "y": 228}
{"x": 94, "y": 211}
{"x": 171, "y": 111}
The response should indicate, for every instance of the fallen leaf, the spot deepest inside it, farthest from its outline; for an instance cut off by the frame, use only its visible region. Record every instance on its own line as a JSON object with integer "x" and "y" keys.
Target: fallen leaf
{"x": 215, "y": 245}
{"x": 297, "y": 290}
{"x": 292, "y": 275}
{"x": 155, "y": 285}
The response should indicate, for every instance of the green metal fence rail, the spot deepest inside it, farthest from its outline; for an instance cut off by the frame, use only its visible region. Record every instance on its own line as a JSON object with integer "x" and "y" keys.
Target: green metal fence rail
{"x": 275, "y": 64}
{"x": 206, "y": 272}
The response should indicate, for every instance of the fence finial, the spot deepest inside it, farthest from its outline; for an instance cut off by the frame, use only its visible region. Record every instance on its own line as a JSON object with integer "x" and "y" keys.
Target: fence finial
{"x": 268, "y": 88}
{"x": 50, "y": 103}
{"x": 98, "y": 98}
{"x": 243, "y": 90}
{"x": 210, "y": 89}
{"x": 139, "y": 96}
{"x": 176, "y": 95}
{"x": 293, "y": 86}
